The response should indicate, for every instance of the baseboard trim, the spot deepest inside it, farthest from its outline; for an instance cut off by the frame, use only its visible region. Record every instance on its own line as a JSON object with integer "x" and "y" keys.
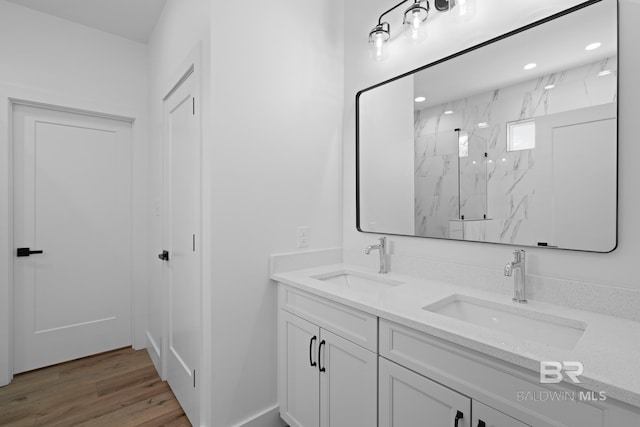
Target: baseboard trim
{"x": 270, "y": 417}
{"x": 154, "y": 352}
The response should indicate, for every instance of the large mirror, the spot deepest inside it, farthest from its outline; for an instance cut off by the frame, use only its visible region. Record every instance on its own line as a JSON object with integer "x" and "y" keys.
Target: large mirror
{"x": 513, "y": 141}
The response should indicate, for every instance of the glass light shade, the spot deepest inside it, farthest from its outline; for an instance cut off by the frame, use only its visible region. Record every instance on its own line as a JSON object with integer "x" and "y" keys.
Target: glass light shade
{"x": 463, "y": 9}
{"x": 378, "y": 38}
{"x": 415, "y": 20}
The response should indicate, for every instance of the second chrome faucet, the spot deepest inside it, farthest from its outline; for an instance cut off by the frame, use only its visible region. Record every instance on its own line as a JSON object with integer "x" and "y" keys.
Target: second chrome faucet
{"x": 382, "y": 247}
{"x": 519, "y": 280}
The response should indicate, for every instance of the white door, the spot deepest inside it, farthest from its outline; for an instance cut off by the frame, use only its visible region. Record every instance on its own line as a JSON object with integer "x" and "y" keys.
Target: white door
{"x": 348, "y": 383}
{"x": 299, "y": 387}
{"x": 408, "y": 400}
{"x": 576, "y": 159}
{"x": 72, "y": 201}
{"x": 585, "y": 157}
{"x": 182, "y": 272}
{"x": 485, "y": 416}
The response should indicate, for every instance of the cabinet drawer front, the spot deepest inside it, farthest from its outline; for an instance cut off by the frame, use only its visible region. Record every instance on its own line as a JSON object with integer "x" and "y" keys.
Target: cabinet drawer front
{"x": 507, "y": 388}
{"x": 348, "y": 323}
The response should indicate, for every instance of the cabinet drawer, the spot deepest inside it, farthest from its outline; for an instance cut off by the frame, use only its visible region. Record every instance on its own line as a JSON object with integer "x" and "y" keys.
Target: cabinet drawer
{"x": 507, "y": 388}
{"x": 348, "y": 323}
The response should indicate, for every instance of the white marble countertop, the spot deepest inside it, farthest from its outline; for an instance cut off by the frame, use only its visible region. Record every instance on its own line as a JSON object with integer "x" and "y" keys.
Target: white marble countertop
{"x": 609, "y": 349}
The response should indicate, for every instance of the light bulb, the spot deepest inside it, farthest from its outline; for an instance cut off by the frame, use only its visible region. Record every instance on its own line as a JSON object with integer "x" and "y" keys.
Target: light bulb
{"x": 415, "y": 22}
{"x": 463, "y": 9}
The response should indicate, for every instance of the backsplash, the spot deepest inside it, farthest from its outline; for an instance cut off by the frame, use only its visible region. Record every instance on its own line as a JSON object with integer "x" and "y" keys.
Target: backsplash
{"x": 608, "y": 300}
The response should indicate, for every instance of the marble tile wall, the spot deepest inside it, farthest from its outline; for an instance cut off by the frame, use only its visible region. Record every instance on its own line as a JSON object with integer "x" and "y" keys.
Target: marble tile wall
{"x": 503, "y": 185}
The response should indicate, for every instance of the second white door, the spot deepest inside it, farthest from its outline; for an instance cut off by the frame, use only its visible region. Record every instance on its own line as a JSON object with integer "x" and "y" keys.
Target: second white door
{"x": 182, "y": 243}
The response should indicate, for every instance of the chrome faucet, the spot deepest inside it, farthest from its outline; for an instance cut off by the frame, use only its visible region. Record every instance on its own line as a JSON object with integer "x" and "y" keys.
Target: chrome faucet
{"x": 519, "y": 281}
{"x": 382, "y": 247}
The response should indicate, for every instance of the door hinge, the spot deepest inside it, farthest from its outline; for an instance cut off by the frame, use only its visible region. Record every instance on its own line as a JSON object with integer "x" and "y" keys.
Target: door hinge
{"x": 194, "y": 243}
{"x": 193, "y": 100}
{"x": 194, "y": 378}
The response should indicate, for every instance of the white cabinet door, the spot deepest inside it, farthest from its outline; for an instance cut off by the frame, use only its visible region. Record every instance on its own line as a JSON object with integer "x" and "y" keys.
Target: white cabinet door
{"x": 485, "y": 416}
{"x": 299, "y": 382}
{"x": 348, "y": 383}
{"x": 407, "y": 399}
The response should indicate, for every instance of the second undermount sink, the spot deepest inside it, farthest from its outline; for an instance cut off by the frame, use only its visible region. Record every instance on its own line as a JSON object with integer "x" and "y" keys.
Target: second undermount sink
{"x": 543, "y": 328}
{"x": 356, "y": 281}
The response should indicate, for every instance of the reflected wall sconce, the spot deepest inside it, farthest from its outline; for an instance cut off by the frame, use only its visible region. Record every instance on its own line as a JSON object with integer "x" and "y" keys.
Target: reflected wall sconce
{"x": 414, "y": 22}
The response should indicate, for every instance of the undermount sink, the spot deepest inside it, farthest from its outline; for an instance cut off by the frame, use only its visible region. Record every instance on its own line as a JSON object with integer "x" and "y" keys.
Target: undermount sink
{"x": 547, "y": 329}
{"x": 360, "y": 282}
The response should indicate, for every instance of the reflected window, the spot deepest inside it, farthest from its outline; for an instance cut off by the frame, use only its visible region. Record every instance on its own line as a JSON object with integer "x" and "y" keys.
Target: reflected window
{"x": 521, "y": 135}
{"x": 463, "y": 144}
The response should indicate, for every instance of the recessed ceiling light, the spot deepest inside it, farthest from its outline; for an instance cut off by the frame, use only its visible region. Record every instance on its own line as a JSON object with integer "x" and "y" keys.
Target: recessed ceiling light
{"x": 604, "y": 73}
{"x": 448, "y": 112}
{"x": 530, "y": 66}
{"x": 593, "y": 46}
{"x": 420, "y": 99}
{"x": 547, "y": 87}
{"x": 483, "y": 125}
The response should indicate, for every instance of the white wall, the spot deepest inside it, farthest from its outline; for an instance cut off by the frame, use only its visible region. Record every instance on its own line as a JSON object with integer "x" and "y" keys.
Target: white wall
{"x": 50, "y": 60}
{"x": 277, "y": 103}
{"x": 494, "y": 18}
{"x": 183, "y": 27}
{"x": 387, "y": 158}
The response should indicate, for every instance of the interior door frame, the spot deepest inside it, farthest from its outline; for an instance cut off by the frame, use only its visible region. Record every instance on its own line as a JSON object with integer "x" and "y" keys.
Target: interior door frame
{"x": 10, "y": 96}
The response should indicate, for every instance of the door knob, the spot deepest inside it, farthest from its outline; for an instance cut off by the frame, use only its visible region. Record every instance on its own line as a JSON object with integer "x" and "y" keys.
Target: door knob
{"x": 164, "y": 256}
{"x": 26, "y": 252}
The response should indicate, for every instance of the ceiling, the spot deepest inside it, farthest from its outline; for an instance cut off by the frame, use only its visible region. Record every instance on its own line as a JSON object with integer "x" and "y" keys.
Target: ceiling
{"x": 556, "y": 45}
{"x": 131, "y": 19}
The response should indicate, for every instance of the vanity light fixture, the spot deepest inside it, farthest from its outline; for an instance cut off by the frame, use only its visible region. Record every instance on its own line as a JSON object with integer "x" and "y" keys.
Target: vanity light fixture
{"x": 593, "y": 46}
{"x": 378, "y": 37}
{"x": 420, "y": 99}
{"x": 530, "y": 66}
{"x": 414, "y": 22}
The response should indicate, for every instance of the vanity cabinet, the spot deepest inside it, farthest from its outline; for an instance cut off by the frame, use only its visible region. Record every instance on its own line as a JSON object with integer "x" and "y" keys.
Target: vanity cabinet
{"x": 342, "y": 367}
{"x": 325, "y": 379}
